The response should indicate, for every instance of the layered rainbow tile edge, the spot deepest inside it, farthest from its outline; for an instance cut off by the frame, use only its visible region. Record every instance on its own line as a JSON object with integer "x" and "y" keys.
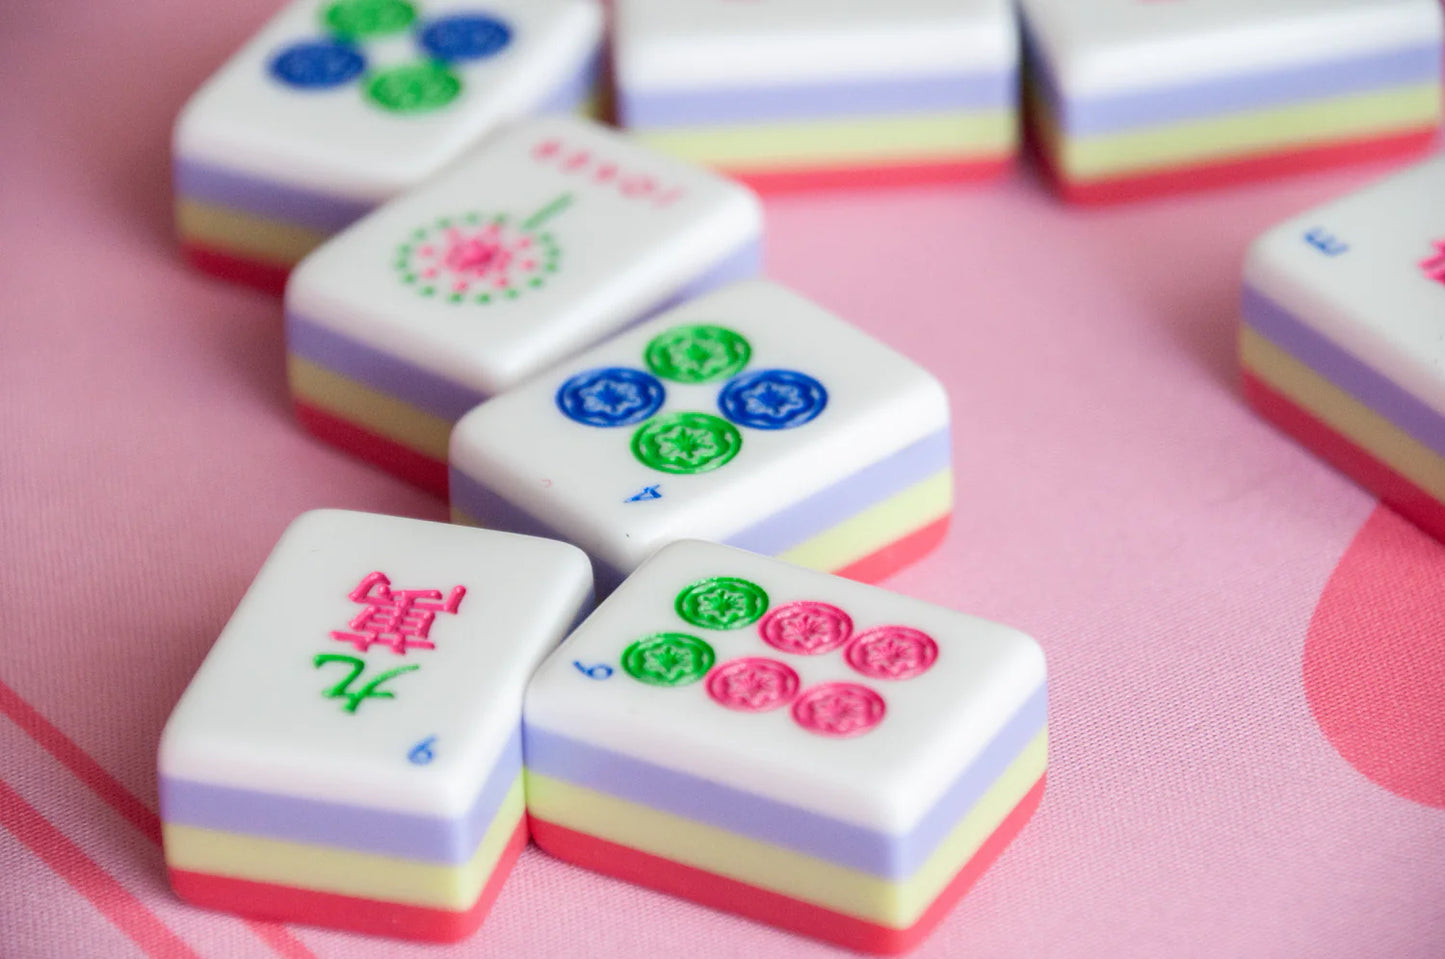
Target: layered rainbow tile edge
{"x": 779, "y": 863}
{"x": 252, "y": 230}
{"x": 399, "y": 416}
{"x": 789, "y": 137}
{"x": 345, "y": 866}
{"x": 1237, "y": 129}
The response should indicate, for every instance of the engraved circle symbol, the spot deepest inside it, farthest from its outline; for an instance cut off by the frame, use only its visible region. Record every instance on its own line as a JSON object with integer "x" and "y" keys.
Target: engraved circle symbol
{"x": 838, "y": 709}
{"x": 686, "y": 443}
{"x": 414, "y": 87}
{"x": 615, "y": 396}
{"x": 317, "y": 65}
{"x": 697, "y": 354}
{"x": 892, "y": 652}
{"x": 773, "y": 399}
{"x": 476, "y": 258}
{"x": 668, "y": 659}
{"x": 465, "y": 36}
{"x": 722, "y": 602}
{"x": 753, "y": 684}
{"x": 363, "y": 19}
{"x": 806, "y": 628}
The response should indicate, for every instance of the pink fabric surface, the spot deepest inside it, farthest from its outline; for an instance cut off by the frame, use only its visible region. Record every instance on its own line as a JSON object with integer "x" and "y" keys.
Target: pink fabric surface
{"x": 1115, "y": 498}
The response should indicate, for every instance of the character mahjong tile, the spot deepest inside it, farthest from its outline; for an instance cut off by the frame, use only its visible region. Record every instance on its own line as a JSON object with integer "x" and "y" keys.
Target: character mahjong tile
{"x": 337, "y": 105}
{"x": 750, "y": 416}
{"x": 793, "y": 746}
{"x": 349, "y": 752}
{"x": 553, "y": 235}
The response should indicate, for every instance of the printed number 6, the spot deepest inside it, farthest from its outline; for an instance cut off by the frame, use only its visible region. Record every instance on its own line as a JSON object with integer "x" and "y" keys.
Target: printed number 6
{"x": 421, "y": 753}
{"x": 599, "y": 671}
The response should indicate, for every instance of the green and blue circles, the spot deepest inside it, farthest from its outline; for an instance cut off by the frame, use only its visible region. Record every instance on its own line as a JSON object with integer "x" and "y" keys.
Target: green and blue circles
{"x": 364, "y": 19}
{"x": 317, "y": 64}
{"x": 414, "y": 87}
{"x": 465, "y": 36}
{"x": 684, "y": 443}
{"x": 614, "y": 396}
{"x": 697, "y": 353}
{"x": 773, "y": 399}
{"x": 722, "y": 602}
{"x": 668, "y": 659}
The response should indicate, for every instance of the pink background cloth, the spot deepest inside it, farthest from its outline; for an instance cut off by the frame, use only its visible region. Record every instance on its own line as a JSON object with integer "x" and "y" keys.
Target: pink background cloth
{"x": 1248, "y": 723}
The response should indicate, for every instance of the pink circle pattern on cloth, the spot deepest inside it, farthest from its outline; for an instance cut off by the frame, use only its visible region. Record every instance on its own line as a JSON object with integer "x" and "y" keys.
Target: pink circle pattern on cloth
{"x": 806, "y": 628}
{"x": 753, "y": 684}
{"x": 838, "y": 709}
{"x": 892, "y": 652}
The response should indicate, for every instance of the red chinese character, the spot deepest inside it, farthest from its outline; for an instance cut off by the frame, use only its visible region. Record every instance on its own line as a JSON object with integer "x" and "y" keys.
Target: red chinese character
{"x": 401, "y": 619}
{"x": 1434, "y": 266}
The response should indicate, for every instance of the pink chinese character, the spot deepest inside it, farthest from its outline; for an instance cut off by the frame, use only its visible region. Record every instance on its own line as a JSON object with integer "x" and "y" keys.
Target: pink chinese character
{"x": 1434, "y": 266}
{"x": 401, "y": 619}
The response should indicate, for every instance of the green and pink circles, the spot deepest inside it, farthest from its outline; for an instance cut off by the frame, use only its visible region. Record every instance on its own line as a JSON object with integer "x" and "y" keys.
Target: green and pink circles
{"x": 418, "y": 87}
{"x": 668, "y": 659}
{"x": 367, "y": 19}
{"x": 476, "y": 258}
{"x": 697, "y": 353}
{"x": 722, "y": 602}
{"x": 891, "y": 652}
{"x": 806, "y": 628}
{"x": 840, "y": 710}
{"x": 753, "y": 684}
{"x": 686, "y": 443}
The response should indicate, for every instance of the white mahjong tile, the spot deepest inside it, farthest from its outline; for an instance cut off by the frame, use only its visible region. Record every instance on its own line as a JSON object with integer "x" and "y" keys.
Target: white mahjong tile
{"x": 1099, "y": 47}
{"x": 794, "y": 685}
{"x": 710, "y": 43}
{"x": 1368, "y": 272}
{"x": 701, "y": 422}
{"x": 367, "y": 97}
{"x": 376, "y": 661}
{"x": 550, "y": 236}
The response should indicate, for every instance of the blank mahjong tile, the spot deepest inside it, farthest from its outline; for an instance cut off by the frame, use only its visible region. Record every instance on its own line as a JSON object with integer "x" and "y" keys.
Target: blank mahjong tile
{"x": 750, "y": 416}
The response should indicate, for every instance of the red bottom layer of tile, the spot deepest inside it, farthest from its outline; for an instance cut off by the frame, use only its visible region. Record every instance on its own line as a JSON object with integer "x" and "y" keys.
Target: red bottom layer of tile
{"x": 867, "y": 177}
{"x": 261, "y": 900}
{"x": 1231, "y": 172}
{"x": 415, "y": 468}
{"x": 778, "y": 910}
{"x": 267, "y": 277}
{"x": 1394, "y": 490}
{"x": 876, "y": 567}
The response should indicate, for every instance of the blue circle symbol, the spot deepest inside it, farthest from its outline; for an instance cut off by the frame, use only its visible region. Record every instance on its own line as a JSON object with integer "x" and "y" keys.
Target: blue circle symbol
{"x": 615, "y": 396}
{"x": 465, "y": 36}
{"x": 317, "y": 64}
{"x": 773, "y": 399}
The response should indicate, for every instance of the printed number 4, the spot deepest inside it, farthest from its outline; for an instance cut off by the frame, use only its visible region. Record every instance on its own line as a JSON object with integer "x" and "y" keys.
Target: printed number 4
{"x": 371, "y": 690}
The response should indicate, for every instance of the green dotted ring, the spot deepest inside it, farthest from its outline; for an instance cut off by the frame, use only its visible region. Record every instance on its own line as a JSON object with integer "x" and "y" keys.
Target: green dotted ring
{"x": 668, "y": 659}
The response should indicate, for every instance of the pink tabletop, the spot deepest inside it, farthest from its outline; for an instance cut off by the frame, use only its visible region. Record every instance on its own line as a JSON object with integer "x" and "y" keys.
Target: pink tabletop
{"x": 1247, "y": 657}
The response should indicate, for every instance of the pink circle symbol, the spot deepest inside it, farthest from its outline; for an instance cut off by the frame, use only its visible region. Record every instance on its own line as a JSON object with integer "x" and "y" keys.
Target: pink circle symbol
{"x": 753, "y": 684}
{"x": 892, "y": 652}
{"x": 838, "y": 709}
{"x": 806, "y": 628}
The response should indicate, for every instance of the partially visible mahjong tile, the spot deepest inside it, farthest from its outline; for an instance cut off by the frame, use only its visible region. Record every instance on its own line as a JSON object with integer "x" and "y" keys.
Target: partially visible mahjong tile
{"x": 1343, "y": 337}
{"x": 349, "y": 752}
{"x": 1133, "y": 98}
{"x": 798, "y": 748}
{"x": 750, "y": 416}
{"x": 337, "y": 105}
{"x": 550, "y": 237}
{"x": 804, "y": 93}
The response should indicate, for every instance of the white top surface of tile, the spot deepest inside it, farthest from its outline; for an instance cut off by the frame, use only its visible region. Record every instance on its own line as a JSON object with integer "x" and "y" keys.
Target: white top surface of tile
{"x": 256, "y": 715}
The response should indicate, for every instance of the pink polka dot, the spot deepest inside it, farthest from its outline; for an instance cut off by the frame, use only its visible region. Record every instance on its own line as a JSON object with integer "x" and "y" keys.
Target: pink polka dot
{"x": 838, "y": 709}
{"x": 753, "y": 684}
{"x": 1374, "y": 662}
{"x": 806, "y": 628}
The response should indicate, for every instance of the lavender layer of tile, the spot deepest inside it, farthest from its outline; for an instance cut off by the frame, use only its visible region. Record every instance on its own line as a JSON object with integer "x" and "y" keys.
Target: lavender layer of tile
{"x": 1343, "y": 369}
{"x": 834, "y": 99}
{"x": 891, "y": 856}
{"x": 341, "y": 825}
{"x": 1256, "y": 90}
{"x": 317, "y": 209}
{"x": 443, "y": 397}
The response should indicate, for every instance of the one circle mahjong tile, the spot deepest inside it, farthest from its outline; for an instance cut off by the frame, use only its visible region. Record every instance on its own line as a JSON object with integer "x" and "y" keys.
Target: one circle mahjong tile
{"x": 837, "y": 782}
{"x": 749, "y": 416}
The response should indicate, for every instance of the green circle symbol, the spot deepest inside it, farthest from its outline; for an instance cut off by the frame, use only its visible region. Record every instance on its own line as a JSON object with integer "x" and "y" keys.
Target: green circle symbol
{"x": 363, "y": 19}
{"x": 722, "y": 602}
{"x": 414, "y": 87}
{"x": 684, "y": 443}
{"x": 668, "y": 659}
{"x": 697, "y": 354}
